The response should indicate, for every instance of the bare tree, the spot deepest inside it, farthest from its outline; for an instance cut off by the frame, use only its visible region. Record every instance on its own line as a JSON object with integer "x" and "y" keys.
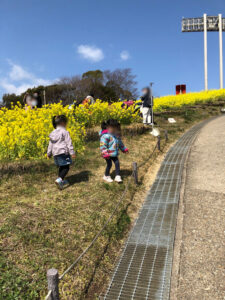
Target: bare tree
{"x": 76, "y": 88}
{"x": 122, "y": 81}
{"x": 107, "y": 85}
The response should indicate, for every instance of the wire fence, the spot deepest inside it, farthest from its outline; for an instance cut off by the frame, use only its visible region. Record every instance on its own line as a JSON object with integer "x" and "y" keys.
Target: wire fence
{"x": 53, "y": 277}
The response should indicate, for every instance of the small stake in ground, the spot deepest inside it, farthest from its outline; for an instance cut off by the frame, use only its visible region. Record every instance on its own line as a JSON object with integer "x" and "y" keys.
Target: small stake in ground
{"x": 158, "y": 142}
{"x": 53, "y": 283}
{"x": 135, "y": 172}
{"x": 166, "y": 135}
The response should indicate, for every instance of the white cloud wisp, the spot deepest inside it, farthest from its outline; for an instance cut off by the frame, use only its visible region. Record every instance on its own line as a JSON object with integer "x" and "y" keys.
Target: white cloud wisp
{"x": 18, "y": 80}
{"x": 125, "y": 55}
{"x": 90, "y": 53}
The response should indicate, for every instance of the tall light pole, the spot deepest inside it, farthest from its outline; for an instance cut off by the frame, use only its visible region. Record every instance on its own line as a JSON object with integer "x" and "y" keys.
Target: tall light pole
{"x": 151, "y": 84}
{"x": 205, "y": 52}
{"x": 221, "y": 49}
{"x": 205, "y": 24}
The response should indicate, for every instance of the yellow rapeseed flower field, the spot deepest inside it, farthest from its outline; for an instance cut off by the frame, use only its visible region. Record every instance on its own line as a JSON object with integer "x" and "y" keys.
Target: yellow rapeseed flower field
{"x": 177, "y": 101}
{"x": 24, "y": 134}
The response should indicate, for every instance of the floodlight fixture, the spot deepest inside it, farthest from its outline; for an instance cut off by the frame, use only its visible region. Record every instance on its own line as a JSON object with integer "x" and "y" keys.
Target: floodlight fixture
{"x": 205, "y": 24}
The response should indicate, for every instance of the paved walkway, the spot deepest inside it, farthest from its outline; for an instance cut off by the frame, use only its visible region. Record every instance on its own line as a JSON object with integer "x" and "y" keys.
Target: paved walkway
{"x": 144, "y": 269}
{"x": 202, "y": 252}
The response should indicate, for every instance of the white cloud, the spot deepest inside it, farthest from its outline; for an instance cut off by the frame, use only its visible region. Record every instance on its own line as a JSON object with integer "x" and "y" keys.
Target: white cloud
{"x": 17, "y": 73}
{"x": 12, "y": 88}
{"x": 91, "y": 53}
{"x": 18, "y": 80}
{"x": 124, "y": 55}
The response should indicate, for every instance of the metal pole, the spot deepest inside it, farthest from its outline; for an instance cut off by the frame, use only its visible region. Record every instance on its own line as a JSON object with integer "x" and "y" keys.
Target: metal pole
{"x": 53, "y": 283}
{"x": 152, "y": 116}
{"x": 221, "y": 49}
{"x": 44, "y": 97}
{"x": 166, "y": 135}
{"x": 152, "y": 103}
{"x": 205, "y": 52}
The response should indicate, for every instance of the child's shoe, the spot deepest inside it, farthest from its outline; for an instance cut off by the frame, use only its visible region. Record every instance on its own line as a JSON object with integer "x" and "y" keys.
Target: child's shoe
{"x": 118, "y": 179}
{"x": 59, "y": 183}
{"x": 65, "y": 182}
{"x": 107, "y": 179}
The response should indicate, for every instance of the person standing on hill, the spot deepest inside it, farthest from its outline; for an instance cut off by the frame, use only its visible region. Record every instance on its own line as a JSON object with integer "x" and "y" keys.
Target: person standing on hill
{"x": 146, "y": 105}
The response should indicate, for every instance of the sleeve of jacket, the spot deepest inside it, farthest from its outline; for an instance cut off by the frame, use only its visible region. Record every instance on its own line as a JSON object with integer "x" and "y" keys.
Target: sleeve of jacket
{"x": 121, "y": 145}
{"x": 49, "y": 151}
{"x": 104, "y": 143}
{"x": 69, "y": 143}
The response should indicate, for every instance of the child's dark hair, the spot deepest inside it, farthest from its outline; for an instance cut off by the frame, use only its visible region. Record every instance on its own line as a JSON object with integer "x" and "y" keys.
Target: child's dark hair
{"x": 104, "y": 125}
{"x": 57, "y": 120}
{"x": 113, "y": 123}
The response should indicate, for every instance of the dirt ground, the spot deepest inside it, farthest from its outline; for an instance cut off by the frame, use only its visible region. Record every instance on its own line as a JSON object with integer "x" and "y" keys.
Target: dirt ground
{"x": 198, "y": 271}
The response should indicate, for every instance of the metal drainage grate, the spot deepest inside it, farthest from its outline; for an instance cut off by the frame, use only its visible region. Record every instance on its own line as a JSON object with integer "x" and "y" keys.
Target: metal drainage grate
{"x": 144, "y": 269}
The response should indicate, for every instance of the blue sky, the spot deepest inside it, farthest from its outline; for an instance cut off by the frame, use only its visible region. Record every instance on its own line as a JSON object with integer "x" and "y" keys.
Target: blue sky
{"x": 43, "y": 40}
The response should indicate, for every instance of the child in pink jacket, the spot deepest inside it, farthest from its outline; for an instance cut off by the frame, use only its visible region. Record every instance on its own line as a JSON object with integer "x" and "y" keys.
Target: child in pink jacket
{"x": 61, "y": 148}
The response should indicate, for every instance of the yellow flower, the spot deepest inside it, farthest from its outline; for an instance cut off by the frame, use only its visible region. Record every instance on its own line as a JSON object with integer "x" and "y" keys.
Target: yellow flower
{"x": 24, "y": 134}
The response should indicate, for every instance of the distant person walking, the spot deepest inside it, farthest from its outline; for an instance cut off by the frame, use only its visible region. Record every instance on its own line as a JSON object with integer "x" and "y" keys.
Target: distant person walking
{"x": 146, "y": 105}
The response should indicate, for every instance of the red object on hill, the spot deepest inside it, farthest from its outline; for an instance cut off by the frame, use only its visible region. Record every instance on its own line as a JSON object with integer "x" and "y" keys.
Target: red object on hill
{"x": 180, "y": 89}
{"x": 128, "y": 103}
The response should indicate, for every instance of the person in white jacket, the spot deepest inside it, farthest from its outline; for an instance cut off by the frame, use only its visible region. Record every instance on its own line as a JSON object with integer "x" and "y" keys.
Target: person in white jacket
{"x": 61, "y": 148}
